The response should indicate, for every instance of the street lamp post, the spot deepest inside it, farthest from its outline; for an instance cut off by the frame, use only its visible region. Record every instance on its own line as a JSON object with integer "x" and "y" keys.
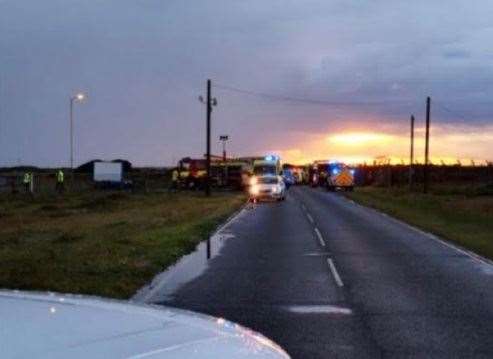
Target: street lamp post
{"x": 223, "y": 139}
{"x": 76, "y": 98}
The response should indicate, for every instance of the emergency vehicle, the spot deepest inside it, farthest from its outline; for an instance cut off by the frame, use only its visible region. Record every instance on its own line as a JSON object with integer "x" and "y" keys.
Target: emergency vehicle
{"x": 298, "y": 172}
{"x": 191, "y": 172}
{"x": 340, "y": 176}
{"x": 264, "y": 166}
{"x": 318, "y": 173}
{"x": 268, "y": 165}
{"x": 313, "y": 175}
{"x": 233, "y": 173}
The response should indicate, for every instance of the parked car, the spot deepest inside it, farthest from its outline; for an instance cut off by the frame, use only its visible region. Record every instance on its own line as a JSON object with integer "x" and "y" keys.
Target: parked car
{"x": 38, "y": 325}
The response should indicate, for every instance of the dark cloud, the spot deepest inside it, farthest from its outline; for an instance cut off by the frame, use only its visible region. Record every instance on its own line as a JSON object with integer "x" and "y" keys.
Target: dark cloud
{"x": 143, "y": 64}
{"x": 456, "y": 54}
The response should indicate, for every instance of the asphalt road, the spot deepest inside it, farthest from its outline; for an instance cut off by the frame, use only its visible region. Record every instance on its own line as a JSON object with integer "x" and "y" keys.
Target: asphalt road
{"x": 327, "y": 278}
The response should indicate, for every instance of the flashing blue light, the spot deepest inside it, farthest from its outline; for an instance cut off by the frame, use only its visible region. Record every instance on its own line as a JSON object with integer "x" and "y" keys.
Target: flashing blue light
{"x": 335, "y": 171}
{"x": 352, "y": 171}
{"x": 270, "y": 158}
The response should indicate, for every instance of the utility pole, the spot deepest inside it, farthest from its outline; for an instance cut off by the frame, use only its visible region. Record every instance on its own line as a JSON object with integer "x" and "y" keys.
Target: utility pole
{"x": 209, "y": 102}
{"x": 208, "y": 153}
{"x": 411, "y": 154}
{"x": 427, "y": 147}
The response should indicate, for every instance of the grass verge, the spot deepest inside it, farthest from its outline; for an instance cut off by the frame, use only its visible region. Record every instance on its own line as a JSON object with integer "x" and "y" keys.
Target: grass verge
{"x": 460, "y": 214}
{"x": 101, "y": 243}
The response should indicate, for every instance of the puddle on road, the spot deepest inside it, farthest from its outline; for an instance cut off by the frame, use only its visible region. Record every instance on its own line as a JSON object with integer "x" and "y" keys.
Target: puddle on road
{"x": 189, "y": 267}
{"x": 486, "y": 268}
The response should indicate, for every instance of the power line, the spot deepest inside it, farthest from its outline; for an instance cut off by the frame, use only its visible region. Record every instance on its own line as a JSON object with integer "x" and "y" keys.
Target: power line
{"x": 275, "y": 97}
{"x": 451, "y": 112}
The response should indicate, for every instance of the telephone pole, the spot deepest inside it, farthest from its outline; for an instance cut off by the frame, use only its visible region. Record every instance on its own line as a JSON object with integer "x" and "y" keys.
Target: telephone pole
{"x": 411, "y": 154}
{"x": 427, "y": 147}
{"x": 209, "y": 102}
{"x": 208, "y": 153}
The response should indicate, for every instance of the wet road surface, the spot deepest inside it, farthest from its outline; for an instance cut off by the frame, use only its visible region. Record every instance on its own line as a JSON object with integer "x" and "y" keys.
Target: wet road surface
{"x": 326, "y": 278}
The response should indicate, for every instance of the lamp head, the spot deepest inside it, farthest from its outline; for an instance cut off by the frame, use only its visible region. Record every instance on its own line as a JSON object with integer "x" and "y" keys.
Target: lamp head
{"x": 79, "y": 97}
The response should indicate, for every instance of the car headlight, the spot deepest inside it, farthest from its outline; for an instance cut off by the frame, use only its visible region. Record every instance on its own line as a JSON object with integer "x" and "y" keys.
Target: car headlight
{"x": 254, "y": 190}
{"x": 277, "y": 189}
{"x": 253, "y": 181}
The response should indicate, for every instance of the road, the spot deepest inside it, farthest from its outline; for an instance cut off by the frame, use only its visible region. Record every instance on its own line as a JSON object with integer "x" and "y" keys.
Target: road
{"x": 327, "y": 278}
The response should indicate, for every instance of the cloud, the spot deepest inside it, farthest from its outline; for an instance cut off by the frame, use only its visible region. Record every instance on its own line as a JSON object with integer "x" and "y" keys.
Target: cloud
{"x": 144, "y": 63}
{"x": 456, "y": 54}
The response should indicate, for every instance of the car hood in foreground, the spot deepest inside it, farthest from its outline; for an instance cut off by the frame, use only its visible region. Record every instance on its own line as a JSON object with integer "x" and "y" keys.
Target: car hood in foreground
{"x": 68, "y": 326}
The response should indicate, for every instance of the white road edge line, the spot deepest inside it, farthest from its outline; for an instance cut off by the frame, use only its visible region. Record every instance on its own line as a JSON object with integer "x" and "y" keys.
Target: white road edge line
{"x": 333, "y": 269}
{"x": 431, "y": 236}
{"x": 310, "y": 218}
{"x": 320, "y": 238}
{"x": 472, "y": 255}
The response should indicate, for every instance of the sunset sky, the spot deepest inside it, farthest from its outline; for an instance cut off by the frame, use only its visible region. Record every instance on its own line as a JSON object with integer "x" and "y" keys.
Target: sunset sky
{"x": 360, "y": 67}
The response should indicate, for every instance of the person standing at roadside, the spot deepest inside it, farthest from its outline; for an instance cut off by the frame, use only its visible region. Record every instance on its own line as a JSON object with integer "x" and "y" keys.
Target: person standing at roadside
{"x": 60, "y": 181}
{"x": 174, "y": 179}
{"x": 27, "y": 181}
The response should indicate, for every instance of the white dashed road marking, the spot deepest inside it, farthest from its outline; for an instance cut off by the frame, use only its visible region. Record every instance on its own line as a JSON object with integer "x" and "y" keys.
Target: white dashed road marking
{"x": 320, "y": 238}
{"x": 333, "y": 269}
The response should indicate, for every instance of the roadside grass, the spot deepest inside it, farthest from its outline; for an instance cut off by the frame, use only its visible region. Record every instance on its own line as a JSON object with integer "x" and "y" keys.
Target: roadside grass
{"x": 462, "y": 214}
{"x": 102, "y": 243}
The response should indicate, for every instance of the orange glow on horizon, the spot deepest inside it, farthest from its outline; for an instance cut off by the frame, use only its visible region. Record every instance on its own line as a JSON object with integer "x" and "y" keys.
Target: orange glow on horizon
{"x": 448, "y": 145}
{"x": 359, "y": 138}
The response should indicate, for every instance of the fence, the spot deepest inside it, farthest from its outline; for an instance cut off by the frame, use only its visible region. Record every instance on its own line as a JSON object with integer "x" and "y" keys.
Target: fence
{"x": 389, "y": 175}
{"x": 45, "y": 182}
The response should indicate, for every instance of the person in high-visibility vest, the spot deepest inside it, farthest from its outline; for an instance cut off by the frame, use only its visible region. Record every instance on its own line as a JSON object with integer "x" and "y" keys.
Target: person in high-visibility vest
{"x": 174, "y": 179}
{"x": 60, "y": 179}
{"x": 28, "y": 177}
